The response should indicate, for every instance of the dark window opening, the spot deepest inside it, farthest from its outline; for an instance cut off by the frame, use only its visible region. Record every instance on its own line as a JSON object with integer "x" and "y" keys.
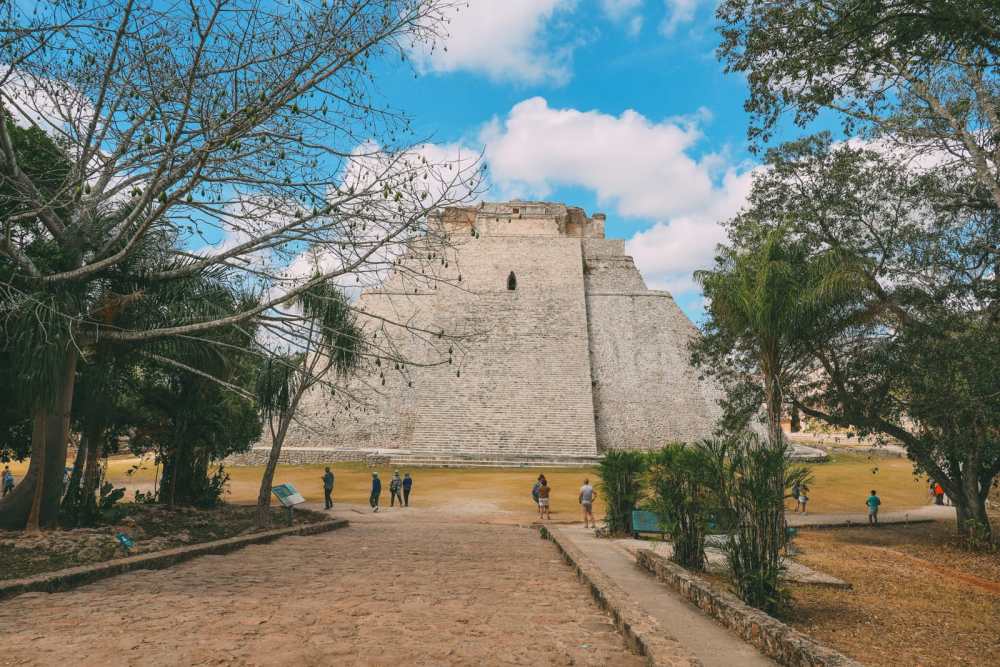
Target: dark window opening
{"x": 512, "y": 281}
{"x": 516, "y": 211}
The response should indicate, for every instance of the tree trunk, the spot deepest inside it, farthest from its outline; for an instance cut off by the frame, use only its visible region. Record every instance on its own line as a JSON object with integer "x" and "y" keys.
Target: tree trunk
{"x": 795, "y": 422}
{"x": 91, "y": 476}
{"x": 73, "y": 487}
{"x": 34, "y": 503}
{"x": 264, "y": 496}
{"x": 72, "y": 502}
{"x": 772, "y": 398}
{"x": 41, "y": 430}
{"x": 970, "y": 511}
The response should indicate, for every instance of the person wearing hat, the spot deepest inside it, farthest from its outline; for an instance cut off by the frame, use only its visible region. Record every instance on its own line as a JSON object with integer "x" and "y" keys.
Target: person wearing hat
{"x": 376, "y": 492}
{"x": 396, "y": 489}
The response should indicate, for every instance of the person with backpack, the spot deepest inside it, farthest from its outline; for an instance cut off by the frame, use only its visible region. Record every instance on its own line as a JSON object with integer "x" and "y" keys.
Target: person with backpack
{"x": 396, "y": 490}
{"x": 534, "y": 489}
{"x": 544, "y": 491}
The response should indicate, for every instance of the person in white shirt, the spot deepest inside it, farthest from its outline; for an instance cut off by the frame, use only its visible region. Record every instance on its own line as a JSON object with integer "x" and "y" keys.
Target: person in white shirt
{"x": 587, "y": 495}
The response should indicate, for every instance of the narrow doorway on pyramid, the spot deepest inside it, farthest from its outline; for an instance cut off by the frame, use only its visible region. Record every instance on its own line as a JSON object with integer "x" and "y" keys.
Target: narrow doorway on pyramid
{"x": 512, "y": 281}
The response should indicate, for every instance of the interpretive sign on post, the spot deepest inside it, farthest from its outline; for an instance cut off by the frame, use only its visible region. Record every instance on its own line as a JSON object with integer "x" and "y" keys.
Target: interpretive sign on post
{"x": 287, "y": 495}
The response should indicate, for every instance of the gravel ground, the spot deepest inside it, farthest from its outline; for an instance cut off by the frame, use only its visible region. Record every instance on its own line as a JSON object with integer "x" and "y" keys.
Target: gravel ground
{"x": 395, "y": 588}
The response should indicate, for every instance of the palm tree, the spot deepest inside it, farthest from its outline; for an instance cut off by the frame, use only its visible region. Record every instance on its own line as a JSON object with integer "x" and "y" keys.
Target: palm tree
{"x": 332, "y": 342}
{"x": 761, "y": 300}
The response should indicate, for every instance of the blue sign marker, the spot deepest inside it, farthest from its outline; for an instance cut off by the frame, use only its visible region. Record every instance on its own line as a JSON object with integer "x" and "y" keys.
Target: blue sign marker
{"x": 126, "y": 542}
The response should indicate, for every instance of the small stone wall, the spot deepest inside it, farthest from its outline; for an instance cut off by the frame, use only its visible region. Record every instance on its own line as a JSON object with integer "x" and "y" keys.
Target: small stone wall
{"x": 306, "y": 456}
{"x": 773, "y": 638}
{"x": 640, "y": 630}
{"x": 60, "y": 580}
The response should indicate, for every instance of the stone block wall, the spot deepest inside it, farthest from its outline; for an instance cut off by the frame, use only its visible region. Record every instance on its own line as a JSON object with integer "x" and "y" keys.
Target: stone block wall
{"x": 519, "y": 381}
{"x": 646, "y": 393}
{"x": 776, "y": 640}
{"x": 578, "y": 358}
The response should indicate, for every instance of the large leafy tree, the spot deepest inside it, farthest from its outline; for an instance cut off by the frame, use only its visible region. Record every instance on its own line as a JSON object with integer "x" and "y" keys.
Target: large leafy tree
{"x": 233, "y": 135}
{"x": 908, "y": 350}
{"x": 921, "y": 74}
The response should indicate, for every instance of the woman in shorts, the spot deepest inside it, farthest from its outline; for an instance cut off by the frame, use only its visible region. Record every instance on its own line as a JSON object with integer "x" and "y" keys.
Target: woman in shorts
{"x": 543, "y": 500}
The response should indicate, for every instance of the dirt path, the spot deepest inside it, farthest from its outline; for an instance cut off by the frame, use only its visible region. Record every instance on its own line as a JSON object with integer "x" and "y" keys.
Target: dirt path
{"x": 394, "y": 588}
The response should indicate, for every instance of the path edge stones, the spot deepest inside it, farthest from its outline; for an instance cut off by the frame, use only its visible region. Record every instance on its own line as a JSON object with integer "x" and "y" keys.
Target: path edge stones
{"x": 642, "y": 633}
{"x": 60, "y": 580}
{"x": 771, "y": 637}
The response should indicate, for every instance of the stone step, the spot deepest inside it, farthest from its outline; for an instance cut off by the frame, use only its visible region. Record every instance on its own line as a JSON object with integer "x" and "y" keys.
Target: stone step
{"x": 492, "y": 459}
{"x": 434, "y": 463}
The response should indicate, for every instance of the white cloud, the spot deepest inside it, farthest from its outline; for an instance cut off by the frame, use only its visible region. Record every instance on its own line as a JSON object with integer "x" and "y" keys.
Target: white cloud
{"x": 504, "y": 39}
{"x": 625, "y": 12}
{"x": 637, "y": 167}
{"x": 678, "y": 13}
{"x": 669, "y": 252}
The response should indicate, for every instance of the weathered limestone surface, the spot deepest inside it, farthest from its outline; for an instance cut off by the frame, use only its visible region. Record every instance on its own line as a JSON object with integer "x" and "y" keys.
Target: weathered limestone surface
{"x": 645, "y": 391}
{"x": 578, "y": 358}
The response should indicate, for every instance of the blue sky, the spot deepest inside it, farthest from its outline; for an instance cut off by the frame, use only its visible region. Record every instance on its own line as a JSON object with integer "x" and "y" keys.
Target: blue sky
{"x": 617, "y": 106}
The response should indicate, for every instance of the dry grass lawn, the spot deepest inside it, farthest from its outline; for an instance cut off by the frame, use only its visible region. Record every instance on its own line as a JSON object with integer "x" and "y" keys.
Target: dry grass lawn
{"x": 918, "y": 597}
{"x": 840, "y": 485}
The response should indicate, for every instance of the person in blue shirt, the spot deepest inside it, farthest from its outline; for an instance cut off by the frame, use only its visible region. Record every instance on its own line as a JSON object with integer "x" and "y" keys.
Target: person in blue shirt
{"x": 8, "y": 480}
{"x": 373, "y": 500}
{"x": 873, "y": 503}
{"x": 407, "y": 485}
{"x": 328, "y": 489}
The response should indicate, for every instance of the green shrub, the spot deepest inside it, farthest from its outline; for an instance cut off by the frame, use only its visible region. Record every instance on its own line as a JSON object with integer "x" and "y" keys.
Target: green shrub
{"x": 621, "y": 473}
{"x": 752, "y": 477}
{"x": 681, "y": 481}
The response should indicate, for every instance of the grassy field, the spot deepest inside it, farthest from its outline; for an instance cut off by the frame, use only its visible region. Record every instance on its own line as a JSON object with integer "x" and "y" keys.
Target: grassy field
{"x": 918, "y": 597}
{"x": 841, "y": 485}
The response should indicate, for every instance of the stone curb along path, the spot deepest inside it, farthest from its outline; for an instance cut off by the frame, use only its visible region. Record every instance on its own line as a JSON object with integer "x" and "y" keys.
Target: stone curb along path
{"x": 75, "y": 576}
{"x": 773, "y": 638}
{"x": 641, "y": 631}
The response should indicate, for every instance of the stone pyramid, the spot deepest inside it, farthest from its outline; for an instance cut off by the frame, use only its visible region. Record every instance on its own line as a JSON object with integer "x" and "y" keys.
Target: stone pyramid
{"x": 554, "y": 351}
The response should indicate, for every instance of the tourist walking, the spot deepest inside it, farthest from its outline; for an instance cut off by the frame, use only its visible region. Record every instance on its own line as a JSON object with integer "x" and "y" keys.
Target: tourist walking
{"x": 328, "y": 489}
{"x": 938, "y": 494}
{"x": 373, "y": 500}
{"x": 396, "y": 490}
{"x": 796, "y": 490}
{"x": 407, "y": 485}
{"x": 873, "y": 503}
{"x": 803, "y": 498}
{"x": 544, "y": 491}
{"x": 8, "y": 480}
{"x": 587, "y": 495}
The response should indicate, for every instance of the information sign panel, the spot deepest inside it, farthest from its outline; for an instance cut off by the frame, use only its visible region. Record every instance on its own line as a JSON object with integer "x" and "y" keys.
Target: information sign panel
{"x": 287, "y": 495}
